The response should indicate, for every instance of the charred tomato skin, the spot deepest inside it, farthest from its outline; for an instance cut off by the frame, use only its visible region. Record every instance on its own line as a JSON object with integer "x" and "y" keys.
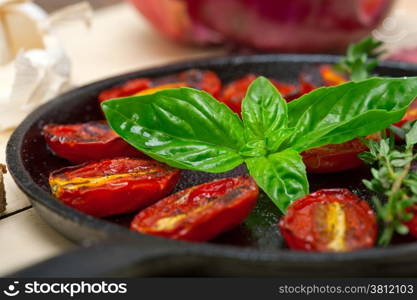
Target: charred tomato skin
{"x": 129, "y": 88}
{"x": 207, "y": 81}
{"x": 85, "y": 142}
{"x": 114, "y": 186}
{"x": 201, "y": 212}
{"x": 332, "y": 220}
{"x": 204, "y": 80}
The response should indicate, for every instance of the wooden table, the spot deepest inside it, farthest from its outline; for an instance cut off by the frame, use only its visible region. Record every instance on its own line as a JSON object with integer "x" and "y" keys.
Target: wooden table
{"x": 103, "y": 51}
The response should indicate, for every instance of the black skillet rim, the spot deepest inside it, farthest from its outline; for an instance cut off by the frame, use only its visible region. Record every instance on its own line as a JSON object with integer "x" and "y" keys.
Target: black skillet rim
{"x": 37, "y": 194}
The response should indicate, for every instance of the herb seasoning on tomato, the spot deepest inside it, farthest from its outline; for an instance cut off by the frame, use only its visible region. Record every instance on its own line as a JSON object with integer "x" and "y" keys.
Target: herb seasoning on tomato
{"x": 86, "y": 142}
{"x": 201, "y": 212}
{"x": 114, "y": 186}
{"x": 329, "y": 220}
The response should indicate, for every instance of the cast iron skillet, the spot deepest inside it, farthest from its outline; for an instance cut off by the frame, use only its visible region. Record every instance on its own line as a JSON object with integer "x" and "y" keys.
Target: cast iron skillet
{"x": 253, "y": 249}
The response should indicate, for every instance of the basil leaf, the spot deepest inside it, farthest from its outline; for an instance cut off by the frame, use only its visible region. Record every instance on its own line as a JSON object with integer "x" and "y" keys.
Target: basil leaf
{"x": 184, "y": 128}
{"x": 337, "y": 114}
{"x": 282, "y": 176}
{"x": 264, "y": 111}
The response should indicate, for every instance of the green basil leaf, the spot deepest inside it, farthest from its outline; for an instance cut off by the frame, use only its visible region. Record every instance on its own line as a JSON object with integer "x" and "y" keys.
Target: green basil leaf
{"x": 264, "y": 111}
{"x": 337, "y": 114}
{"x": 184, "y": 128}
{"x": 282, "y": 176}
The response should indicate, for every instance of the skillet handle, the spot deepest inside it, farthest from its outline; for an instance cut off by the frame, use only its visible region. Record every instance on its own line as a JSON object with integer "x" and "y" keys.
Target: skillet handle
{"x": 150, "y": 257}
{"x": 144, "y": 257}
{"x": 108, "y": 259}
{"x": 162, "y": 258}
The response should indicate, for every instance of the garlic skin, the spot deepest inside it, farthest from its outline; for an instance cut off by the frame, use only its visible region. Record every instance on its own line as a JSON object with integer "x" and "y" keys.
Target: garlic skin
{"x": 39, "y": 75}
{"x": 33, "y": 68}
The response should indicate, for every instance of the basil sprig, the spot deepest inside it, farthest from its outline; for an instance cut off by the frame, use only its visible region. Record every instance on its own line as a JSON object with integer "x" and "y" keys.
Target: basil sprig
{"x": 360, "y": 59}
{"x": 189, "y": 129}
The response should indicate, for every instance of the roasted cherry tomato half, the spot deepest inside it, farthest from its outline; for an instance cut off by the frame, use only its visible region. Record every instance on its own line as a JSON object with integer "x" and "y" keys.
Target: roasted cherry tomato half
{"x": 331, "y": 77}
{"x": 130, "y": 88}
{"x": 305, "y": 85}
{"x": 201, "y": 212}
{"x": 410, "y": 115}
{"x": 235, "y": 91}
{"x": 329, "y": 220}
{"x": 87, "y": 141}
{"x": 412, "y": 224}
{"x": 161, "y": 87}
{"x": 199, "y": 79}
{"x": 336, "y": 158}
{"x": 113, "y": 186}
{"x": 204, "y": 80}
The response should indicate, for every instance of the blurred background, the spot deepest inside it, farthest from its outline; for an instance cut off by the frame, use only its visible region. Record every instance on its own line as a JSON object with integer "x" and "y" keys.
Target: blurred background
{"x": 263, "y": 25}
{"x": 233, "y": 26}
{"x": 51, "y": 5}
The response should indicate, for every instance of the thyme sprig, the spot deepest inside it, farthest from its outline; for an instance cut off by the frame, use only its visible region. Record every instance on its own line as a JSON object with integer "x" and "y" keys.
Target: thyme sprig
{"x": 393, "y": 181}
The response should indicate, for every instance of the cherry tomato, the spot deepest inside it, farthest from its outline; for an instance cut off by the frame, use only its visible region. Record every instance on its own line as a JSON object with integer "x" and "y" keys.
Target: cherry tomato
{"x": 113, "y": 186}
{"x": 330, "y": 77}
{"x": 199, "y": 79}
{"x": 305, "y": 85}
{"x": 329, "y": 220}
{"x": 86, "y": 142}
{"x": 412, "y": 224}
{"x": 235, "y": 91}
{"x": 160, "y": 88}
{"x": 131, "y": 87}
{"x": 201, "y": 212}
{"x": 331, "y": 158}
{"x": 334, "y": 158}
{"x": 410, "y": 115}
